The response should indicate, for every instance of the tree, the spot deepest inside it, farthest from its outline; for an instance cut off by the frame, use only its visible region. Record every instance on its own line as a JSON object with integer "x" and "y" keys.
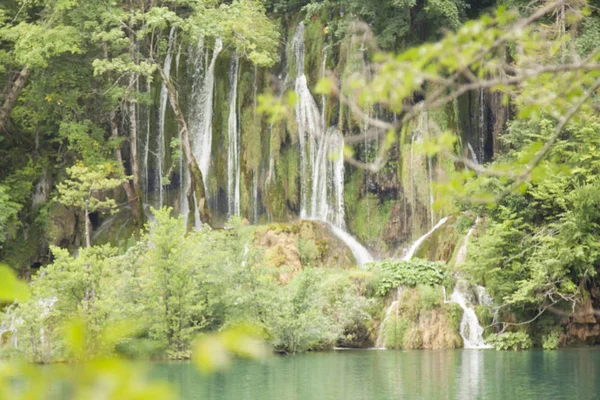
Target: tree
{"x": 84, "y": 188}
{"x": 35, "y": 42}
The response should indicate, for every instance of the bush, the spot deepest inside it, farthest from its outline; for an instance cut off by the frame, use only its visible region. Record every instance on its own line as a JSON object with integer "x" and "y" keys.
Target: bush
{"x": 550, "y": 341}
{"x": 510, "y": 341}
{"x": 393, "y": 273}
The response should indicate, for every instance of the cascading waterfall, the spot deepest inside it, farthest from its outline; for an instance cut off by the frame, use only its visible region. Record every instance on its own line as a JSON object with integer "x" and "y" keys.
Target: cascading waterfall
{"x": 233, "y": 135}
{"x": 417, "y": 243}
{"x": 200, "y": 117}
{"x": 470, "y": 329}
{"x": 202, "y": 132}
{"x": 308, "y": 118}
{"x": 319, "y": 171}
{"x": 162, "y": 115}
{"x": 393, "y": 308}
{"x": 146, "y": 148}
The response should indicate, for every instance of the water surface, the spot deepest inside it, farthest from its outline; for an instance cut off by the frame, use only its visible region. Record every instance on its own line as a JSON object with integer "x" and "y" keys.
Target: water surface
{"x": 385, "y": 375}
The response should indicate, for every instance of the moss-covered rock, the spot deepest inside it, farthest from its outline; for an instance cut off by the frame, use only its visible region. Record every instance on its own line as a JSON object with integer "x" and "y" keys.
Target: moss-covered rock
{"x": 301, "y": 243}
{"x": 421, "y": 320}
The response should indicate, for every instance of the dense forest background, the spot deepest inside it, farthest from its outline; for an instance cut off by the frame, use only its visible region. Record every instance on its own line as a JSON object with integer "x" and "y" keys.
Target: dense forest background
{"x": 155, "y": 157}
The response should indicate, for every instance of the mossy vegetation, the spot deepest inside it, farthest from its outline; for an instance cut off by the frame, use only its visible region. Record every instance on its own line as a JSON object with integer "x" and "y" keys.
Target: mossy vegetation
{"x": 421, "y": 320}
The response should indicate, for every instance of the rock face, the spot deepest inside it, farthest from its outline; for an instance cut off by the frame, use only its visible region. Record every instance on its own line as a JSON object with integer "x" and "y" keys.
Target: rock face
{"x": 421, "y": 320}
{"x": 302, "y": 243}
{"x": 64, "y": 227}
{"x": 440, "y": 245}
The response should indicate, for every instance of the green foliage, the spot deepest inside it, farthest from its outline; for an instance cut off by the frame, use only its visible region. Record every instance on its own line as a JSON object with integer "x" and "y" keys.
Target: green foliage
{"x": 9, "y": 211}
{"x": 510, "y": 341}
{"x": 85, "y": 182}
{"x": 317, "y": 310}
{"x": 541, "y": 244}
{"x": 551, "y": 341}
{"x": 309, "y": 252}
{"x": 394, "y": 273}
{"x": 420, "y": 319}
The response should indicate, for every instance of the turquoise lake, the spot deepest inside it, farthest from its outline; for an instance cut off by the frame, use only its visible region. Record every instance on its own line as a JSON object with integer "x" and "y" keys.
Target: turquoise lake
{"x": 385, "y": 375}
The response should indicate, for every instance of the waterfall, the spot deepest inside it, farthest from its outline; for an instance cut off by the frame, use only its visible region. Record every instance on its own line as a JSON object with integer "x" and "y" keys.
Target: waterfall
{"x": 415, "y": 246}
{"x": 162, "y": 115}
{"x": 308, "y": 118}
{"x": 381, "y": 334}
{"x": 10, "y": 327}
{"x": 470, "y": 329}
{"x": 203, "y": 112}
{"x": 146, "y": 147}
{"x": 256, "y": 173}
{"x": 360, "y": 253}
{"x": 393, "y": 308}
{"x": 233, "y": 135}
{"x": 473, "y": 154}
{"x": 200, "y": 117}
{"x": 320, "y": 172}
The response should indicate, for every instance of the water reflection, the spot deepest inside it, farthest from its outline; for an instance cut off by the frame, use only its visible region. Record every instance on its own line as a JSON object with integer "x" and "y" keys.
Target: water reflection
{"x": 471, "y": 373}
{"x": 385, "y": 375}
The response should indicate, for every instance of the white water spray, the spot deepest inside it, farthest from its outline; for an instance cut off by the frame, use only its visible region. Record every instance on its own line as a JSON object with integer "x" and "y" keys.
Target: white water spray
{"x": 393, "y": 308}
{"x": 470, "y": 329}
{"x": 415, "y": 246}
{"x": 233, "y": 136}
{"x": 321, "y": 159}
{"x": 162, "y": 116}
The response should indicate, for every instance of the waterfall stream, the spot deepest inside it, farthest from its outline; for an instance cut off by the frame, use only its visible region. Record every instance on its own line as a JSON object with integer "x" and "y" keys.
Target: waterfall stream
{"x": 233, "y": 136}
{"x": 417, "y": 243}
{"x": 202, "y": 131}
{"x": 321, "y": 159}
{"x": 393, "y": 308}
{"x": 308, "y": 118}
{"x": 201, "y": 114}
{"x": 470, "y": 329}
{"x": 162, "y": 116}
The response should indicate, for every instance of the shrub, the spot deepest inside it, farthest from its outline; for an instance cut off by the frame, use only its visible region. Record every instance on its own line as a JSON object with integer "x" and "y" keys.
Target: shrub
{"x": 394, "y": 273}
{"x": 510, "y": 341}
{"x": 550, "y": 341}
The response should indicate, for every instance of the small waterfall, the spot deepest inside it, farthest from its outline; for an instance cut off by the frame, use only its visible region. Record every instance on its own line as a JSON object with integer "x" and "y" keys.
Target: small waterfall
{"x": 473, "y": 154}
{"x": 233, "y": 135}
{"x": 415, "y": 246}
{"x": 162, "y": 115}
{"x": 308, "y": 118}
{"x": 318, "y": 171}
{"x": 200, "y": 117}
{"x": 361, "y": 254}
{"x": 203, "y": 110}
{"x": 10, "y": 327}
{"x": 146, "y": 148}
{"x": 381, "y": 335}
{"x": 391, "y": 310}
{"x": 257, "y": 172}
{"x": 470, "y": 329}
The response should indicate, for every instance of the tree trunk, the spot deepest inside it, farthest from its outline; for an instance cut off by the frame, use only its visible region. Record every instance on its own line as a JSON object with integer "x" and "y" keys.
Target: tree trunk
{"x": 131, "y": 196}
{"x": 12, "y": 96}
{"x": 196, "y": 174}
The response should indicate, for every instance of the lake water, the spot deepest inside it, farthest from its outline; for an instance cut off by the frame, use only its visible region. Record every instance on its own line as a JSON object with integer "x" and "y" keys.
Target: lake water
{"x": 386, "y": 375}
